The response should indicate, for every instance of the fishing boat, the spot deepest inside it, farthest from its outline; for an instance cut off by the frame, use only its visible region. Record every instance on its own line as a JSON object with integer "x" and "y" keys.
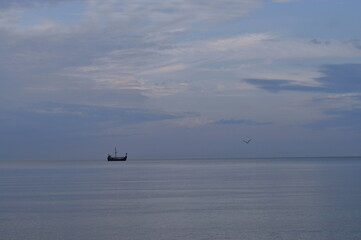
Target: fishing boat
{"x": 116, "y": 158}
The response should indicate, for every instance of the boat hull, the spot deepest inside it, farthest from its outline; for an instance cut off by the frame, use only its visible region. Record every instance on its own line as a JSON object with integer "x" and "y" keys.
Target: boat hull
{"x": 112, "y": 159}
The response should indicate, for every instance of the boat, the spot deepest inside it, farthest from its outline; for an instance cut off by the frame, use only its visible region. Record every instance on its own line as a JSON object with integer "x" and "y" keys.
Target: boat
{"x": 115, "y": 158}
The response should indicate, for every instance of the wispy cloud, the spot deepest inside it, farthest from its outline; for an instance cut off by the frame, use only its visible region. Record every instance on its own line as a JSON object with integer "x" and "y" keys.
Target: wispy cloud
{"x": 166, "y": 69}
{"x": 284, "y": 1}
{"x": 235, "y": 43}
{"x": 240, "y": 122}
{"x": 137, "y": 39}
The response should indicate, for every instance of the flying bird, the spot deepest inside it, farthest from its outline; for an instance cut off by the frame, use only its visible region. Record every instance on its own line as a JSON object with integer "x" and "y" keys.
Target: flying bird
{"x": 247, "y": 141}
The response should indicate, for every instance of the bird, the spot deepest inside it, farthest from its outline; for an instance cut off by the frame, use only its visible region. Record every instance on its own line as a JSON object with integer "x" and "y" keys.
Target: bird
{"x": 247, "y": 141}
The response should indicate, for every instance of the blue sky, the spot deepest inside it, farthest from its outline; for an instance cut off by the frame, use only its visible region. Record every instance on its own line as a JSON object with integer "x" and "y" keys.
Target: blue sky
{"x": 179, "y": 78}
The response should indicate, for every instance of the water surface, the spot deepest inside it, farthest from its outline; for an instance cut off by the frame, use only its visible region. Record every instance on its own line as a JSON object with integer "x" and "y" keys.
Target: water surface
{"x": 301, "y": 198}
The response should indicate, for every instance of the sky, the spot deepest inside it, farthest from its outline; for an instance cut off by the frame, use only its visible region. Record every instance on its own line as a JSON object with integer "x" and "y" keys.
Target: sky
{"x": 179, "y": 78}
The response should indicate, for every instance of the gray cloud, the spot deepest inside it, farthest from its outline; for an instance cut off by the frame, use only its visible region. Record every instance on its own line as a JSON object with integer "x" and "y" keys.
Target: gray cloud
{"x": 317, "y": 41}
{"x": 338, "y": 78}
{"x": 273, "y": 85}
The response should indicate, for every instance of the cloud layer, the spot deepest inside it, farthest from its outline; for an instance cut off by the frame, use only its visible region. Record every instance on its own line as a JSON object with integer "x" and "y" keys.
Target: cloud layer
{"x": 138, "y": 67}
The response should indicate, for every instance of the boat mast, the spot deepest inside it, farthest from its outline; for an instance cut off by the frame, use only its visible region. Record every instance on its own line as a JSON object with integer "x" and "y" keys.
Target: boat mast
{"x": 115, "y": 152}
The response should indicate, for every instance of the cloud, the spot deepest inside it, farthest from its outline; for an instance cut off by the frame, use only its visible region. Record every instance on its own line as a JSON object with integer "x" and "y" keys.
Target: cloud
{"x": 159, "y": 9}
{"x": 263, "y": 46}
{"x": 137, "y": 47}
{"x": 273, "y": 85}
{"x": 277, "y": 48}
{"x": 79, "y": 119}
{"x": 340, "y": 78}
{"x": 238, "y": 42}
{"x": 355, "y": 42}
{"x": 132, "y": 67}
{"x": 71, "y": 68}
{"x": 337, "y": 99}
{"x": 192, "y": 122}
{"x": 166, "y": 69}
{"x": 32, "y": 3}
{"x": 343, "y": 95}
{"x": 240, "y": 122}
{"x": 127, "y": 45}
{"x": 284, "y": 1}
{"x": 349, "y": 119}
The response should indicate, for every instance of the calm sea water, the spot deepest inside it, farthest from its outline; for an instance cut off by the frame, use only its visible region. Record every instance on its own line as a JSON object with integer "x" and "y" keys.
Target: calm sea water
{"x": 301, "y": 198}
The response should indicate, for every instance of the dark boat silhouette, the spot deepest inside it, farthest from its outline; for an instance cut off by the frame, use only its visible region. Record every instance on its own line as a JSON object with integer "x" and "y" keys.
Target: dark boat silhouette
{"x": 115, "y": 158}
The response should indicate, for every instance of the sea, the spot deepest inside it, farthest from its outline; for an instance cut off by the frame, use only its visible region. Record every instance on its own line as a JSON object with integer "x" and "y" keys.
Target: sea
{"x": 240, "y": 199}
